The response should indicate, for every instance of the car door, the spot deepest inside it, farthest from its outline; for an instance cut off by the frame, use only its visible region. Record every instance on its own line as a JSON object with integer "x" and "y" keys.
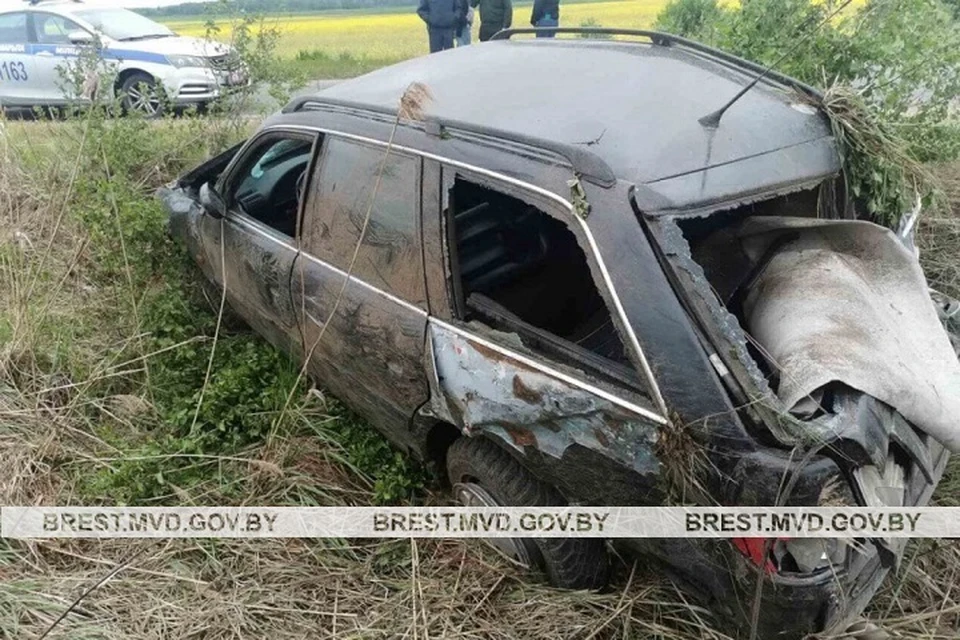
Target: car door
{"x": 55, "y": 58}
{"x": 17, "y": 78}
{"x": 359, "y": 287}
{"x": 525, "y": 342}
{"x": 250, "y": 252}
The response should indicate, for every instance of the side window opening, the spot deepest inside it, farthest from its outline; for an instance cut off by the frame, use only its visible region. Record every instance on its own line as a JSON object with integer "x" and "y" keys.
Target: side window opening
{"x": 270, "y": 184}
{"x": 54, "y": 29}
{"x": 518, "y": 269}
{"x": 13, "y": 28}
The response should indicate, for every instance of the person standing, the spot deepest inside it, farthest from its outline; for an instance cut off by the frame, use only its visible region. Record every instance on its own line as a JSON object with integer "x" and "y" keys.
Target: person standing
{"x": 443, "y": 18}
{"x": 463, "y": 38}
{"x": 495, "y": 15}
{"x": 546, "y": 13}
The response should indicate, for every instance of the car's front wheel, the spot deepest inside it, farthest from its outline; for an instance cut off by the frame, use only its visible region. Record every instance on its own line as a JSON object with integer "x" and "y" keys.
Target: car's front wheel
{"x": 141, "y": 93}
{"x": 484, "y": 475}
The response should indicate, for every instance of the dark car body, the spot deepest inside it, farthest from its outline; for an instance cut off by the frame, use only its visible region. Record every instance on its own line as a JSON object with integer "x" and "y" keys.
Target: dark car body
{"x": 595, "y": 149}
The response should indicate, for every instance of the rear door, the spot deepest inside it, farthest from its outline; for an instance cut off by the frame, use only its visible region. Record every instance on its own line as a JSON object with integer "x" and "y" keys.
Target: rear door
{"x": 17, "y": 77}
{"x": 359, "y": 285}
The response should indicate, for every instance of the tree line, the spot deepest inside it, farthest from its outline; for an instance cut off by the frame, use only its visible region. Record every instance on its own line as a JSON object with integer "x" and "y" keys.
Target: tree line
{"x": 270, "y": 6}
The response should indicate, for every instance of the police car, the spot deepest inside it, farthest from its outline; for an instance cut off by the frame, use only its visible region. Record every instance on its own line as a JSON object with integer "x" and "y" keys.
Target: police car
{"x": 154, "y": 66}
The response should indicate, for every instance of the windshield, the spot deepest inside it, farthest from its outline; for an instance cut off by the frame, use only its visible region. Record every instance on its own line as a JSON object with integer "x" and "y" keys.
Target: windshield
{"x": 121, "y": 24}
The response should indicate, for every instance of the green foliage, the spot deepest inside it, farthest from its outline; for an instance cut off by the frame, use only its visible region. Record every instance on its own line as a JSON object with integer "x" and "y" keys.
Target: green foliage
{"x": 689, "y": 18}
{"x": 593, "y": 23}
{"x": 256, "y": 41}
{"x": 902, "y": 58}
{"x": 318, "y": 63}
{"x": 397, "y": 478}
{"x": 881, "y": 173}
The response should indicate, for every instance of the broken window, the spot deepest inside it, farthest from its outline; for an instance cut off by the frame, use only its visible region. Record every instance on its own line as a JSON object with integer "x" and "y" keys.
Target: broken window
{"x": 717, "y": 245}
{"x": 519, "y": 270}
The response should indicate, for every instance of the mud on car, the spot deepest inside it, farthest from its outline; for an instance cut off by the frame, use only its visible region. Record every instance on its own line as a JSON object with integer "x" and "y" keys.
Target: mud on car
{"x": 556, "y": 292}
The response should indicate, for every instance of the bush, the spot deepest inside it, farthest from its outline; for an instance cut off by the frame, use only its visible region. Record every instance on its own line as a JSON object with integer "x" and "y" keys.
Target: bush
{"x": 689, "y": 18}
{"x": 900, "y": 57}
{"x": 593, "y": 23}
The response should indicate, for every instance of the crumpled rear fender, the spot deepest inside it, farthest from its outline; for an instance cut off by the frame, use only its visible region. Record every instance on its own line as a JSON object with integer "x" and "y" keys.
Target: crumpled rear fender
{"x": 559, "y": 424}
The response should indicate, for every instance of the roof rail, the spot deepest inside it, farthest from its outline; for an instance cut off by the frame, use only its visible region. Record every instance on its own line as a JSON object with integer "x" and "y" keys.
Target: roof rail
{"x": 662, "y": 39}
{"x": 36, "y": 2}
{"x": 587, "y": 164}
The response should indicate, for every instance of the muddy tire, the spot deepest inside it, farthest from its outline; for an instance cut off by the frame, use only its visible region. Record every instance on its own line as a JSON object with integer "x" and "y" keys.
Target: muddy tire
{"x": 570, "y": 563}
{"x": 140, "y": 93}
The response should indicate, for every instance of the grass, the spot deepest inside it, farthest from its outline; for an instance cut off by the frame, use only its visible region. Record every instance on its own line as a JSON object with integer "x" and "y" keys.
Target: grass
{"x": 91, "y": 396}
{"x": 92, "y": 403}
{"x": 105, "y": 338}
{"x": 346, "y": 43}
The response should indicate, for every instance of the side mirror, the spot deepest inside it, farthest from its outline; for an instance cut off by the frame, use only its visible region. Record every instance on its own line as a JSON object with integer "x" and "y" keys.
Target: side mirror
{"x": 212, "y": 202}
{"x": 80, "y": 37}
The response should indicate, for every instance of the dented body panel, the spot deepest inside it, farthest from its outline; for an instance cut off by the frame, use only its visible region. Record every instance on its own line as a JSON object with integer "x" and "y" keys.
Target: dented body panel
{"x": 489, "y": 390}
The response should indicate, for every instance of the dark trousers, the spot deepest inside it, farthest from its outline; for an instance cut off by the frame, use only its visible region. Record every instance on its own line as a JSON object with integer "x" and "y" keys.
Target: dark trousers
{"x": 547, "y": 21}
{"x": 487, "y": 30}
{"x": 440, "y": 39}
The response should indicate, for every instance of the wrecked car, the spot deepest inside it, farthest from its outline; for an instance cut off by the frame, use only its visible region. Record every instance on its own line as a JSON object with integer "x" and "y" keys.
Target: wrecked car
{"x": 578, "y": 292}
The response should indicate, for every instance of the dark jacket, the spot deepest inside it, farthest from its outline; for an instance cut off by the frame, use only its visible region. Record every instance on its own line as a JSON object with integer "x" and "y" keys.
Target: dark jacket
{"x": 443, "y": 14}
{"x": 494, "y": 13}
{"x": 542, "y": 8}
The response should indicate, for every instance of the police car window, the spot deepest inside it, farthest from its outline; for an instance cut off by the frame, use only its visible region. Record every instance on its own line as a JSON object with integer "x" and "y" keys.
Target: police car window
{"x": 13, "y": 28}
{"x": 124, "y": 25}
{"x": 53, "y": 29}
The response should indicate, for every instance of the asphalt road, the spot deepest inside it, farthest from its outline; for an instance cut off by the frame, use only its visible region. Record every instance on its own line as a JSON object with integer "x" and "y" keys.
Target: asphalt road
{"x": 263, "y": 102}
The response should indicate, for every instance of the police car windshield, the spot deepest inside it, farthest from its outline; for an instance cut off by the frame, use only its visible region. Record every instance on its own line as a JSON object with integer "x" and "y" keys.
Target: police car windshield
{"x": 121, "y": 24}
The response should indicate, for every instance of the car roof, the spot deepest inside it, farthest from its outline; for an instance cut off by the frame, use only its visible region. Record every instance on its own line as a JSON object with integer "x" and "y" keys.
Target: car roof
{"x": 48, "y": 5}
{"x": 635, "y": 106}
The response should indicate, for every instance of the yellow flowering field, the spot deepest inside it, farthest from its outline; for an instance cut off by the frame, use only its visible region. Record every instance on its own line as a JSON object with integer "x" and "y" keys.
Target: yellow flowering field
{"x": 400, "y": 34}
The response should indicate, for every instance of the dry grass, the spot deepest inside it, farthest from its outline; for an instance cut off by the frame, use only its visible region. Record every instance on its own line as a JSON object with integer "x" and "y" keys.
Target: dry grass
{"x": 292, "y": 589}
{"x": 939, "y": 236}
{"x": 50, "y": 441}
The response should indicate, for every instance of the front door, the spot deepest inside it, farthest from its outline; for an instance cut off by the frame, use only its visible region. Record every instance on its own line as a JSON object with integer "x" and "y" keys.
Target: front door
{"x": 59, "y": 75}
{"x": 257, "y": 240}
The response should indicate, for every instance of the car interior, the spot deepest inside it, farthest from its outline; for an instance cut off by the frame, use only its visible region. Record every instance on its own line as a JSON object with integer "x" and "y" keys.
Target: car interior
{"x": 524, "y": 272}
{"x": 271, "y": 190}
{"x": 715, "y": 246}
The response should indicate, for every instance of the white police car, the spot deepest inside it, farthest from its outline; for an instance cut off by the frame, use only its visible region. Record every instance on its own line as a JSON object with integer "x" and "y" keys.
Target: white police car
{"x": 41, "y": 38}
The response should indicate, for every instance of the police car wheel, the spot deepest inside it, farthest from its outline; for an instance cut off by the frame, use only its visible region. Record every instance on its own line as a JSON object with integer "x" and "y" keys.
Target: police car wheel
{"x": 141, "y": 94}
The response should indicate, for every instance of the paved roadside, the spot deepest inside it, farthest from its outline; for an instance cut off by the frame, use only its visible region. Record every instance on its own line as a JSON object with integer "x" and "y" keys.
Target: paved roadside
{"x": 263, "y": 102}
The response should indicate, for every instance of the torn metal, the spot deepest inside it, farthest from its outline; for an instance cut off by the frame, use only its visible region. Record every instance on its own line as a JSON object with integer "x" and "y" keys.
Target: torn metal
{"x": 488, "y": 391}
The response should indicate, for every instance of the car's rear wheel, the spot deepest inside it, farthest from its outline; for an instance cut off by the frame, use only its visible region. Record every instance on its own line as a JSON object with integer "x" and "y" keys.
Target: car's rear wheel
{"x": 140, "y": 93}
{"x": 483, "y": 474}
